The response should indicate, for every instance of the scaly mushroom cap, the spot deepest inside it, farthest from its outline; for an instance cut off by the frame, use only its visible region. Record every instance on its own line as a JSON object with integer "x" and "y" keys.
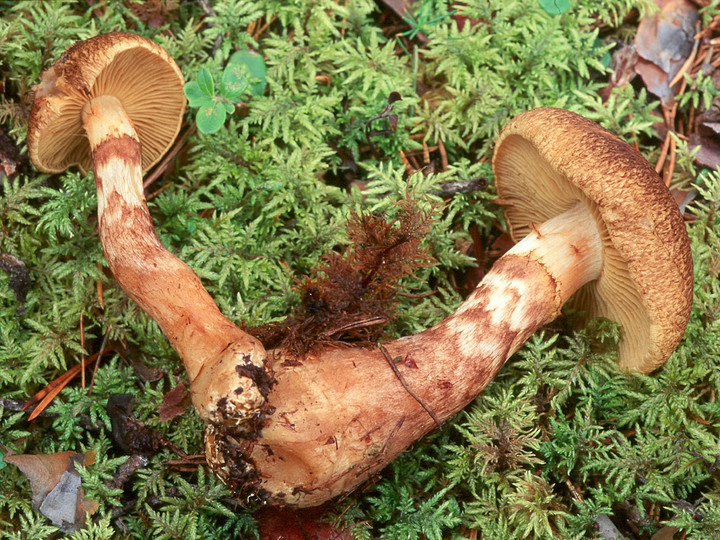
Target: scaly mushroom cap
{"x": 545, "y": 161}
{"x": 135, "y": 70}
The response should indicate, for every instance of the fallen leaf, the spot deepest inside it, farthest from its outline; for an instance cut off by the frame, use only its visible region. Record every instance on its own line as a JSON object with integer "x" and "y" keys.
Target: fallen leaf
{"x": 623, "y": 65}
{"x": 656, "y": 81}
{"x": 292, "y": 524}
{"x": 664, "y": 41}
{"x": 56, "y": 486}
{"x": 132, "y": 355}
{"x": 19, "y": 277}
{"x": 403, "y": 9}
{"x": 709, "y": 153}
{"x": 132, "y": 435}
{"x": 666, "y": 533}
{"x": 175, "y": 403}
{"x": 9, "y": 155}
{"x": 606, "y": 528}
{"x": 683, "y": 198}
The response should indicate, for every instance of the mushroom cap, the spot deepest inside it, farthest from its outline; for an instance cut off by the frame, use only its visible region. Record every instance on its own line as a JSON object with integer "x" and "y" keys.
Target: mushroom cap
{"x": 135, "y": 70}
{"x": 547, "y": 159}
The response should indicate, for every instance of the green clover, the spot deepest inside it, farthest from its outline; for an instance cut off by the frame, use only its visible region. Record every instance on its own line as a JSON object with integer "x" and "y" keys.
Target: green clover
{"x": 244, "y": 75}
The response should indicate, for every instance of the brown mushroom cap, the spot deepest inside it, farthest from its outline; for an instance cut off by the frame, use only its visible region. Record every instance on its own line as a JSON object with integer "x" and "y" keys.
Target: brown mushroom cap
{"x": 135, "y": 70}
{"x": 546, "y": 160}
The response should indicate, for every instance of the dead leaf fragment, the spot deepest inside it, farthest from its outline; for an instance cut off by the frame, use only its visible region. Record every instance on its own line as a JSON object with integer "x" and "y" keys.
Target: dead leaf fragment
{"x": 131, "y": 435}
{"x": 19, "y": 277}
{"x": 9, "y": 155}
{"x": 709, "y": 153}
{"x": 623, "y": 65}
{"x": 664, "y": 41}
{"x": 126, "y": 470}
{"x": 666, "y": 533}
{"x": 56, "y": 486}
{"x": 175, "y": 403}
{"x": 606, "y": 528}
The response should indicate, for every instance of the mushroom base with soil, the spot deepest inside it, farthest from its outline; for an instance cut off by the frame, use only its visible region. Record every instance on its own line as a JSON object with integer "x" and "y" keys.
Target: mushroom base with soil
{"x": 342, "y": 415}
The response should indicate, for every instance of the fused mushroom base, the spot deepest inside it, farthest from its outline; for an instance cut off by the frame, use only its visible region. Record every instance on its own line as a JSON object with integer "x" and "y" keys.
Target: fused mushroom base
{"x": 342, "y": 415}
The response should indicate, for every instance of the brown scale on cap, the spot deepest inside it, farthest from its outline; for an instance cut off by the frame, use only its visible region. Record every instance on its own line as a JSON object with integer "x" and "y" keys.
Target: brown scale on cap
{"x": 589, "y": 213}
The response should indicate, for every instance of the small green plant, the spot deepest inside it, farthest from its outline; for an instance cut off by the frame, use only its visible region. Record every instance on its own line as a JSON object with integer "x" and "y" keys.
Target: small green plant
{"x": 244, "y": 75}
{"x": 422, "y": 23}
{"x": 555, "y": 7}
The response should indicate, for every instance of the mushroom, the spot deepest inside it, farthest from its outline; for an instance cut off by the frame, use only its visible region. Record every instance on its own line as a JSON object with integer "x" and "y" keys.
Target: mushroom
{"x": 595, "y": 225}
{"x": 549, "y": 160}
{"x": 594, "y": 222}
{"x": 136, "y": 71}
{"x": 115, "y": 102}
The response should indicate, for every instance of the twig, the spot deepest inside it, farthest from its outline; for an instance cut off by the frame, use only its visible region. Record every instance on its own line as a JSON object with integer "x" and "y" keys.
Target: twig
{"x": 663, "y": 153}
{"x": 416, "y": 295}
{"x": 97, "y": 361}
{"x": 45, "y": 396}
{"x": 82, "y": 346}
{"x": 337, "y": 519}
{"x": 160, "y": 169}
{"x": 256, "y": 35}
{"x": 443, "y": 154}
{"x": 364, "y": 323}
{"x": 670, "y": 169}
{"x": 447, "y": 190}
{"x": 421, "y": 151}
{"x": 407, "y": 388}
{"x": 408, "y": 167}
{"x": 210, "y": 12}
{"x": 101, "y": 301}
{"x": 154, "y": 194}
{"x": 392, "y": 436}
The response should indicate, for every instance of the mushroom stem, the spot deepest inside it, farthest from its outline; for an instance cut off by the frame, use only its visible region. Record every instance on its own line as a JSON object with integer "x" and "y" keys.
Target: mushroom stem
{"x": 221, "y": 360}
{"x": 568, "y": 246}
{"x": 343, "y": 414}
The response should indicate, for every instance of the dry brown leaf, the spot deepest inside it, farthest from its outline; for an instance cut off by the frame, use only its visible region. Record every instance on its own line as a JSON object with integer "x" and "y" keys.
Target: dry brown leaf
{"x": 709, "y": 153}
{"x": 623, "y": 65}
{"x": 297, "y": 524}
{"x": 131, "y": 435}
{"x": 9, "y": 155}
{"x": 56, "y": 487}
{"x": 175, "y": 403}
{"x": 664, "y": 41}
{"x": 19, "y": 277}
{"x": 666, "y": 533}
